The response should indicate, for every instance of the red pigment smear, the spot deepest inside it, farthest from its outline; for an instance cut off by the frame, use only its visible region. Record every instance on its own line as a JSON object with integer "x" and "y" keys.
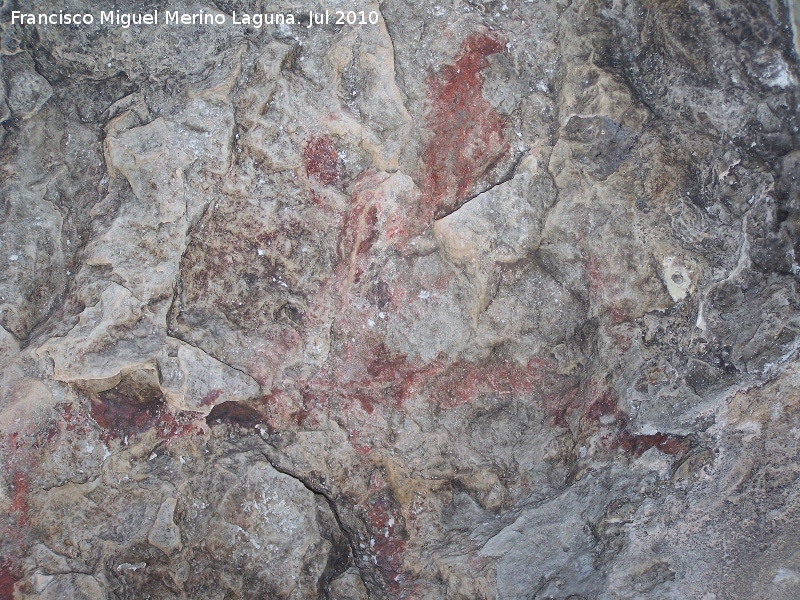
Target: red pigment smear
{"x": 73, "y": 421}
{"x": 378, "y": 377}
{"x": 385, "y": 523}
{"x": 600, "y": 401}
{"x": 358, "y": 235}
{"x": 320, "y": 158}
{"x": 19, "y": 502}
{"x": 210, "y": 398}
{"x": 267, "y": 361}
{"x": 120, "y": 418}
{"x": 7, "y": 581}
{"x": 466, "y": 139}
{"x": 607, "y": 291}
{"x": 14, "y": 532}
{"x": 176, "y": 425}
{"x": 465, "y": 381}
{"x": 235, "y": 412}
{"x": 393, "y": 222}
{"x": 663, "y": 442}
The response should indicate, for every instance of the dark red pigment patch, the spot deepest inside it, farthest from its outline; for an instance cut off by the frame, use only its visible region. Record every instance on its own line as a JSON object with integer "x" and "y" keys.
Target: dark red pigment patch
{"x": 7, "y": 581}
{"x": 388, "y": 543}
{"x": 125, "y": 411}
{"x": 466, "y": 139}
{"x": 279, "y": 410}
{"x": 321, "y": 160}
{"x": 121, "y": 417}
{"x": 663, "y": 442}
{"x": 238, "y": 413}
{"x": 358, "y": 235}
{"x": 16, "y": 528}
{"x": 597, "y": 401}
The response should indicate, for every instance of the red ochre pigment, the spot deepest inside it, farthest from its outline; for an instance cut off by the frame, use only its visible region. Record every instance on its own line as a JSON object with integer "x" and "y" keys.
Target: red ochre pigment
{"x": 466, "y": 133}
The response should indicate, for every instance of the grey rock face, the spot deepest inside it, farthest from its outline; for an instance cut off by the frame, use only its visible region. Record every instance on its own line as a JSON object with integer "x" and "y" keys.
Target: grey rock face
{"x": 480, "y": 300}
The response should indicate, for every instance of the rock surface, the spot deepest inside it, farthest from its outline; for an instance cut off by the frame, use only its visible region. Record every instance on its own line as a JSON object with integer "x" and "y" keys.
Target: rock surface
{"x": 483, "y": 300}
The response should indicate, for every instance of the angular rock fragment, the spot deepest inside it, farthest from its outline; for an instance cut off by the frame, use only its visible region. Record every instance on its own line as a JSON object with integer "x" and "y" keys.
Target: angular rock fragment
{"x": 445, "y": 300}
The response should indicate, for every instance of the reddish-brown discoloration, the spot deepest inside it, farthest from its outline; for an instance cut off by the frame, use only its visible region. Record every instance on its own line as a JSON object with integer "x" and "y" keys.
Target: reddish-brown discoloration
{"x": 280, "y": 410}
{"x": 19, "y": 501}
{"x": 602, "y": 403}
{"x": 321, "y": 160}
{"x": 178, "y": 424}
{"x": 603, "y": 286}
{"x": 464, "y": 381}
{"x": 663, "y": 442}
{"x": 17, "y": 526}
{"x": 22, "y": 450}
{"x": 614, "y": 301}
{"x": 235, "y": 412}
{"x": 120, "y": 417}
{"x": 210, "y": 398}
{"x": 598, "y": 408}
{"x": 25, "y": 450}
{"x": 373, "y": 376}
{"x": 466, "y": 133}
{"x": 358, "y": 235}
{"x": 594, "y": 275}
{"x": 387, "y": 544}
{"x": 372, "y": 225}
{"x": 74, "y": 420}
{"x": 7, "y": 581}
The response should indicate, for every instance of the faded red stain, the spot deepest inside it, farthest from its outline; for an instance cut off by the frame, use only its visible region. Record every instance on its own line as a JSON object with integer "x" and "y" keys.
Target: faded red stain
{"x": 210, "y": 398}
{"x": 372, "y": 376}
{"x": 19, "y": 501}
{"x": 372, "y": 224}
{"x": 15, "y": 531}
{"x": 602, "y": 403}
{"x": 321, "y": 160}
{"x": 465, "y": 381}
{"x": 607, "y": 290}
{"x": 358, "y": 235}
{"x": 466, "y": 133}
{"x": 603, "y": 288}
{"x": 178, "y": 424}
{"x": 74, "y": 422}
{"x": 354, "y": 436}
{"x": 265, "y": 362}
{"x": 20, "y": 452}
{"x": 49, "y": 438}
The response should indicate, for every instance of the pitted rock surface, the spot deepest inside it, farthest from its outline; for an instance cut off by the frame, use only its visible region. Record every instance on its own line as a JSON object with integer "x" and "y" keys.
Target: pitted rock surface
{"x": 484, "y": 300}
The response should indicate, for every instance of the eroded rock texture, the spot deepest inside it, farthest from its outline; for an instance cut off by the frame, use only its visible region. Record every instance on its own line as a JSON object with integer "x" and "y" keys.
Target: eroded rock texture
{"x": 487, "y": 300}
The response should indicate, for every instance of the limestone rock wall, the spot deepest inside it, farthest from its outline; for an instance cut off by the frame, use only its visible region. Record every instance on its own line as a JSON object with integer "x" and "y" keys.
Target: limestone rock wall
{"x": 484, "y": 300}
